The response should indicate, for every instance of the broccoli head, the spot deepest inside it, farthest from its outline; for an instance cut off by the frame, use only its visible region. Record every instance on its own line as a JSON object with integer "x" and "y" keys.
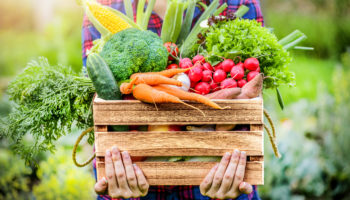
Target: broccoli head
{"x": 132, "y": 50}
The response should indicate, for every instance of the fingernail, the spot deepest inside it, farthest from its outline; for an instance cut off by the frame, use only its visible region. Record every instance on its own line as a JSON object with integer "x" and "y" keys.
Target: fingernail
{"x": 115, "y": 149}
{"x": 105, "y": 180}
{"x": 243, "y": 153}
{"x": 125, "y": 154}
{"x": 236, "y": 151}
{"x": 227, "y": 154}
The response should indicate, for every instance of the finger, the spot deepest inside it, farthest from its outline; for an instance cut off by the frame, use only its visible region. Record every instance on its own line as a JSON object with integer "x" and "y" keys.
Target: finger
{"x": 110, "y": 173}
{"x": 239, "y": 175}
{"x": 245, "y": 188}
{"x": 230, "y": 172}
{"x": 219, "y": 174}
{"x": 206, "y": 183}
{"x": 101, "y": 186}
{"x": 129, "y": 170}
{"x": 141, "y": 180}
{"x": 119, "y": 169}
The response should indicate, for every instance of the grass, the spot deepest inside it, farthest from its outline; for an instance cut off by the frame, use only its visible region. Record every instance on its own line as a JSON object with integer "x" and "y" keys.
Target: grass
{"x": 311, "y": 73}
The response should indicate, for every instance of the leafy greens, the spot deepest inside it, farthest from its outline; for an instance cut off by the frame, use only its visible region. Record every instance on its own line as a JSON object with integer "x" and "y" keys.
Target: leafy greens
{"x": 49, "y": 102}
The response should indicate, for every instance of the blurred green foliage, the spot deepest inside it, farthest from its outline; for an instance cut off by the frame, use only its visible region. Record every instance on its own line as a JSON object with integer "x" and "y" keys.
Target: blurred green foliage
{"x": 62, "y": 180}
{"x": 14, "y": 176}
{"x": 314, "y": 140}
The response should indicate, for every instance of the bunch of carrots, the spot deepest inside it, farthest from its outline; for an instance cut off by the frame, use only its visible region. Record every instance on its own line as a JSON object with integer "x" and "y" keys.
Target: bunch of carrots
{"x": 157, "y": 87}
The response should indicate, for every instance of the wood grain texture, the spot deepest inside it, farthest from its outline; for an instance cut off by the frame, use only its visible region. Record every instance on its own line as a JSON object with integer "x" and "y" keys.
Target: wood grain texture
{"x": 182, "y": 143}
{"x": 187, "y": 173}
{"x": 133, "y": 112}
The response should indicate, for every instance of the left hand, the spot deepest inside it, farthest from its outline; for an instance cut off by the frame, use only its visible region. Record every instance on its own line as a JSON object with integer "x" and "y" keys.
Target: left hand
{"x": 225, "y": 180}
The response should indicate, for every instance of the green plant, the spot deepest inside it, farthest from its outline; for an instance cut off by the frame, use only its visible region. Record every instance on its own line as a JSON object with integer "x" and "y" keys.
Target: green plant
{"x": 61, "y": 180}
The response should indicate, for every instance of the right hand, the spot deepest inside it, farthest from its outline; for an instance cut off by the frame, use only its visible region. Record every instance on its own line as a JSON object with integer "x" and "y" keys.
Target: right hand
{"x": 124, "y": 180}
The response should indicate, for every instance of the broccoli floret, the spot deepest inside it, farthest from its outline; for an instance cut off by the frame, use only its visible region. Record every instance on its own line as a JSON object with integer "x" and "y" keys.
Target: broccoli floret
{"x": 132, "y": 50}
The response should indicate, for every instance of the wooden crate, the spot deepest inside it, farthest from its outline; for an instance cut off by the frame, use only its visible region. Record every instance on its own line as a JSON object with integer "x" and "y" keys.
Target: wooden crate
{"x": 181, "y": 143}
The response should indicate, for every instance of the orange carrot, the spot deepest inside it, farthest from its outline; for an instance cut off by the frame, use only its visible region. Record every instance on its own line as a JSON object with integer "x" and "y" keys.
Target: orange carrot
{"x": 156, "y": 79}
{"x": 168, "y": 73}
{"x": 148, "y": 94}
{"x": 187, "y": 95}
{"x": 126, "y": 88}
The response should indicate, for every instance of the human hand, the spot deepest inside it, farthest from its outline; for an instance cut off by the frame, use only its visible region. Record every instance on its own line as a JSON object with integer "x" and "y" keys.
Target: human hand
{"x": 124, "y": 180}
{"x": 225, "y": 180}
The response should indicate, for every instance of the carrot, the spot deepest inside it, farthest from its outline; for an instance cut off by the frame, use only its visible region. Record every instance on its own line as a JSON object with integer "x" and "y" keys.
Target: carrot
{"x": 168, "y": 73}
{"x": 156, "y": 79}
{"x": 253, "y": 88}
{"x": 187, "y": 95}
{"x": 227, "y": 93}
{"x": 148, "y": 94}
{"x": 126, "y": 88}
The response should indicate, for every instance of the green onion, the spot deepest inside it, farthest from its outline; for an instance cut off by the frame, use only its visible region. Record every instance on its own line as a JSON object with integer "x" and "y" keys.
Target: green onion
{"x": 128, "y": 9}
{"x": 186, "y": 26}
{"x": 242, "y": 10}
{"x": 148, "y": 13}
{"x": 172, "y": 21}
{"x": 139, "y": 14}
{"x": 220, "y": 9}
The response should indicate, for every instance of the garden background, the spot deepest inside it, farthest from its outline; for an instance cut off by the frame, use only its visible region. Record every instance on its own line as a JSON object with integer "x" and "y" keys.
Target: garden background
{"x": 313, "y": 129}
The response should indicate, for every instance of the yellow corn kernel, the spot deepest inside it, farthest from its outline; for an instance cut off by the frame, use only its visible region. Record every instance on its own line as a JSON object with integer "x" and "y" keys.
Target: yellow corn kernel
{"x": 108, "y": 19}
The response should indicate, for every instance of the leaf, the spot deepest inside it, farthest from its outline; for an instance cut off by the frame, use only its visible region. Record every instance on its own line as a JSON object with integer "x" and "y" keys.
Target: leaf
{"x": 279, "y": 98}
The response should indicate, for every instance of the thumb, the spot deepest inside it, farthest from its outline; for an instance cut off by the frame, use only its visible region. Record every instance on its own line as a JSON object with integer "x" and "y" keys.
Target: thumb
{"x": 245, "y": 188}
{"x": 101, "y": 186}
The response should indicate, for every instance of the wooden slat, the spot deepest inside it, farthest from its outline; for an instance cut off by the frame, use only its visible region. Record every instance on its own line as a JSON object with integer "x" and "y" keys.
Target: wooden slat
{"x": 182, "y": 143}
{"x": 132, "y": 112}
{"x": 187, "y": 173}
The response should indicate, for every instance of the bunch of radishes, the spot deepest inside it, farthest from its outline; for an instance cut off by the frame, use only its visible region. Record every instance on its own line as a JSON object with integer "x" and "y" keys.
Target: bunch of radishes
{"x": 206, "y": 78}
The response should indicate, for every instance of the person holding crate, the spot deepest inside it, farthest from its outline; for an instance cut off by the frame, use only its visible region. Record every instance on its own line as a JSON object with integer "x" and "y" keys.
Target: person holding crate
{"x": 126, "y": 180}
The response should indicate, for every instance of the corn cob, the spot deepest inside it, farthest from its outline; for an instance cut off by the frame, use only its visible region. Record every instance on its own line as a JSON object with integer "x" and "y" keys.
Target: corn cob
{"x": 108, "y": 19}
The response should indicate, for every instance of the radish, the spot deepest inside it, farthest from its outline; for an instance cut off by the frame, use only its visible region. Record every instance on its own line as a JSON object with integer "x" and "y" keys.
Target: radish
{"x": 218, "y": 66}
{"x": 251, "y": 64}
{"x": 193, "y": 84}
{"x": 172, "y": 66}
{"x": 258, "y": 69}
{"x": 185, "y": 63}
{"x": 195, "y": 74}
{"x": 219, "y": 75}
{"x": 228, "y": 83}
{"x": 202, "y": 88}
{"x": 240, "y": 65}
{"x": 241, "y": 83}
{"x": 237, "y": 72}
{"x": 207, "y": 66}
{"x": 251, "y": 75}
{"x": 227, "y": 65}
{"x": 214, "y": 86}
{"x": 198, "y": 58}
{"x": 207, "y": 75}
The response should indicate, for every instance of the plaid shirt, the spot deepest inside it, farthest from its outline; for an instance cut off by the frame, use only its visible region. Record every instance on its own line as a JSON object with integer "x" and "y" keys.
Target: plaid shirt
{"x": 89, "y": 34}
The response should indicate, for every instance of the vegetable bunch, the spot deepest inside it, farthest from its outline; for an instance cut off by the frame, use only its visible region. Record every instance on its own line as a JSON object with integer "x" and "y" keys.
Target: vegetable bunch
{"x": 48, "y": 102}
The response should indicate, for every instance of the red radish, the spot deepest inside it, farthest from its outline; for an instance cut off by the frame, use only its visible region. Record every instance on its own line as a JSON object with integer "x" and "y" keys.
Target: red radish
{"x": 237, "y": 73}
{"x": 195, "y": 74}
{"x": 202, "y": 88}
{"x": 199, "y": 65}
{"x": 207, "y": 75}
{"x": 214, "y": 86}
{"x": 185, "y": 63}
{"x": 219, "y": 75}
{"x": 218, "y": 66}
{"x": 193, "y": 85}
{"x": 258, "y": 69}
{"x": 241, "y": 83}
{"x": 227, "y": 65}
{"x": 198, "y": 58}
{"x": 207, "y": 66}
{"x": 251, "y": 64}
{"x": 240, "y": 65}
{"x": 172, "y": 66}
{"x": 228, "y": 83}
{"x": 251, "y": 75}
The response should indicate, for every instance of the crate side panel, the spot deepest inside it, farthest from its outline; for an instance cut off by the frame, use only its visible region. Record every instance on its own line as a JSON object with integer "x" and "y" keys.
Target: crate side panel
{"x": 188, "y": 173}
{"x": 182, "y": 143}
{"x": 137, "y": 113}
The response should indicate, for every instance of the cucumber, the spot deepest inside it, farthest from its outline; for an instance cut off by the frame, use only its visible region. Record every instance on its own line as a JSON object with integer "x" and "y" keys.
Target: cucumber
{"x": 102, "y": 78}
{"x": 104, "y": 82}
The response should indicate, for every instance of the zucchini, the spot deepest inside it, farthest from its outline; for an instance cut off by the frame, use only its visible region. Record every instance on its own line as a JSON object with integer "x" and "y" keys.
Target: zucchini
{"x": 104, "y": 82}
{"x": 102, "y": 78}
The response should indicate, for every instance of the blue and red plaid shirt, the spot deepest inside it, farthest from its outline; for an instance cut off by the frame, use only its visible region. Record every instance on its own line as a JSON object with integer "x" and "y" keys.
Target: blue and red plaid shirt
{"x": 89, "y": 34}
